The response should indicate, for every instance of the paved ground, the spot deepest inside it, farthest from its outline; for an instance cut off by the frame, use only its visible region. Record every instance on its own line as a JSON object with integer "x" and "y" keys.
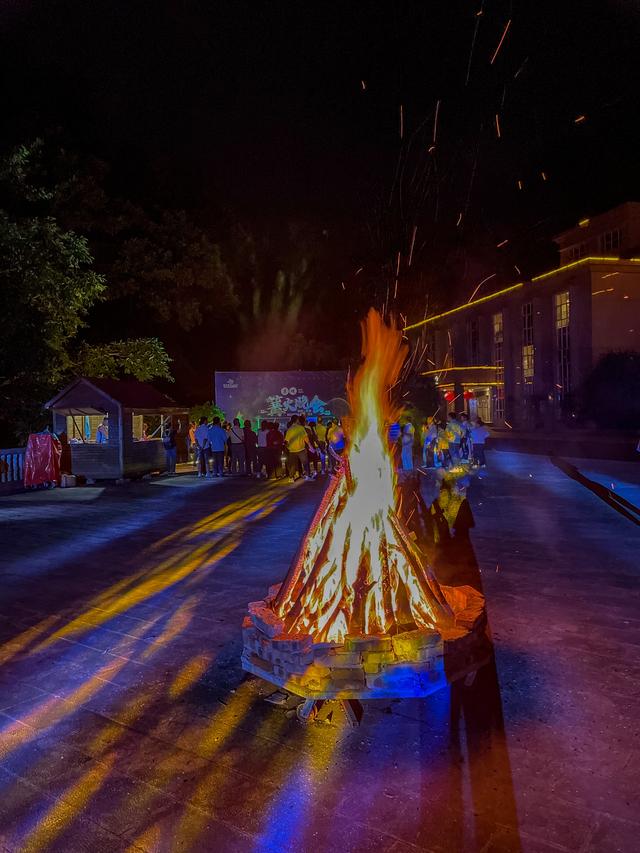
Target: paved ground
{"x": 125, "y": 723}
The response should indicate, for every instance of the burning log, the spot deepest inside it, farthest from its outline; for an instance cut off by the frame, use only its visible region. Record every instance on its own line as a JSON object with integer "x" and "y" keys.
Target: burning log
{"x": 360, "y": 613}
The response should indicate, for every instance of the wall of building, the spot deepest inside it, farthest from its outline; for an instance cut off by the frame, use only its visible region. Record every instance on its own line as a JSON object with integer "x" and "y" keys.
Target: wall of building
{"x": 615, "y": 312}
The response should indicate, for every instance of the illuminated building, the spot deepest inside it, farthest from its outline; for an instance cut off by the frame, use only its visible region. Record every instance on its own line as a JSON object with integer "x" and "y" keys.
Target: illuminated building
{"x": 519, "y": 354}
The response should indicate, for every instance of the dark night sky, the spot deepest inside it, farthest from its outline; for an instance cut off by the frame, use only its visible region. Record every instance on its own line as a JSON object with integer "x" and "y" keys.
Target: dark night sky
{"x": 258, "y": 108}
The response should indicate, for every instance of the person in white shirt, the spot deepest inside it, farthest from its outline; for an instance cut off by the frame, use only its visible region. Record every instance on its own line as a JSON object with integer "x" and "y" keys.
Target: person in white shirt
{"x": 263, "y": 453}
{"x": 479, "y": 434}
{"x": 202, "y": 447}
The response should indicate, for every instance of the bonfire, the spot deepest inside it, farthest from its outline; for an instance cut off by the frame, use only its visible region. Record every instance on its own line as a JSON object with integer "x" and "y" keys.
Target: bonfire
{"x": 360, "y": 613}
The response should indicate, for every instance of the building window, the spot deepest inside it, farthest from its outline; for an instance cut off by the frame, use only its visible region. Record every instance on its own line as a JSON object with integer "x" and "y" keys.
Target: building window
{"x": 527, "y": 344}
{"x": 610, "y": 240}
{"x": 497, "y": 322}
{"x": 473, "y": 332}
{"x": 577, "y": 252}
{"x": 563, "y": 363}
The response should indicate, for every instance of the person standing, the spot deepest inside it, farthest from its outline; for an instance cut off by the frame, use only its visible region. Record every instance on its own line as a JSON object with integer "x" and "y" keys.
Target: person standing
{"x": 263, "y": 449}
{"x": 202, "y": 447}
{"x": 217, "y": 443}
{"x": 170, "y": 448}
{"x": 479, "y": 435}
{"x": 430, "y": 435}
{"x": 336, "y": 444}
{"x": 407, "y": 447}
{"x": 238, "y": 455}
{"x": 321, "y": 436}
{"x": 296, "y": 442}
{"x": 275, "y": 442}
{"x": 454, "y": 434}
{"x": 102, "y": 433}
{"x": 313, "y": 457}
{"x": 465, "y": 427}
{"x": 442, "y": 456}
{"x": 191, "y": 443}
{"x": 250, "y": 452}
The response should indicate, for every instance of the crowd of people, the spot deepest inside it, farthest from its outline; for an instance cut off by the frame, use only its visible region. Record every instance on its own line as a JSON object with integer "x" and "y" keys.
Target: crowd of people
{"x": 306, "y": 448}
{"x": 459, "y": 438}
{"x": 303, "y": 448}
{"x": 443, "y": 443}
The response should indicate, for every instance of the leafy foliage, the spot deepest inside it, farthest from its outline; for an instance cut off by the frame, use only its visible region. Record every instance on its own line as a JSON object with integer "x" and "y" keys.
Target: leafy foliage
{"x": 48, "y": 287}
{"x": 610, "y": 395}
{"x": 143, "y": 358}
{"x": 46, "y": 290}
{"x": 206, "y": 410}
{"x": 172, "y": 268}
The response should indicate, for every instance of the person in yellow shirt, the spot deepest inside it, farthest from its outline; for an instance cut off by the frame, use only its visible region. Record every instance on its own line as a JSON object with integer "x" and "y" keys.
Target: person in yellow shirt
{"x": 296, "y": 440}
{"x": 321, "y": 434}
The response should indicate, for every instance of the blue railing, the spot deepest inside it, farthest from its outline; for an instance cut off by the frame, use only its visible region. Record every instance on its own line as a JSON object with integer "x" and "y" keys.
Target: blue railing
{"x": 12, "y": 465}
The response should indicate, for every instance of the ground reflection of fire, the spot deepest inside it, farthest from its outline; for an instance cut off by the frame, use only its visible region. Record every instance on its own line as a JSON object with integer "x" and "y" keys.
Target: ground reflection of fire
{"x": 360, "y": 613}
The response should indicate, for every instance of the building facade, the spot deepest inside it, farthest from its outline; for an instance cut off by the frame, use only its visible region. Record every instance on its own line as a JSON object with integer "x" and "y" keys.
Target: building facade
{"x": 516, "y": 357}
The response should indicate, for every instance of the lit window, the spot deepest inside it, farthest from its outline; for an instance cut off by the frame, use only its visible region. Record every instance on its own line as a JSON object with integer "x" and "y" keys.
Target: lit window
{"x": 498, "y": 328}
{"x": 562, "y": 309}
{"x": 497, "y": 323}
{"x": 563, "y": 350}
{"x": 527, "y": 343}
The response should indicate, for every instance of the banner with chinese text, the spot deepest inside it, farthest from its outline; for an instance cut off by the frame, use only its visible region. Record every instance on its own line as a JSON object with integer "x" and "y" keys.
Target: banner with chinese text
{"x": 278, "y": 394}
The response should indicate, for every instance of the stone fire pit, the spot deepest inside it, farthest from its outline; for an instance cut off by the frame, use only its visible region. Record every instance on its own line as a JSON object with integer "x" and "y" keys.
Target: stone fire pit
{"x": 406, "y": 664}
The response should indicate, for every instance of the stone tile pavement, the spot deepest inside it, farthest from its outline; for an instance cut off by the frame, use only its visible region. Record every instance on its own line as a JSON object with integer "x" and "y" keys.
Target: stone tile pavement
{"x": 126, "y": 723}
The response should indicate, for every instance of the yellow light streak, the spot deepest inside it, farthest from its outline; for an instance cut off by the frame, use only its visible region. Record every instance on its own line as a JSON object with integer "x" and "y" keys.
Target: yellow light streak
{"x": 450, "y": 369}
{"x": 462, "y": 307}
{"x": 541, "y": 277}
{"x": 189, "y": 674}
{"x": 63, "y": 812}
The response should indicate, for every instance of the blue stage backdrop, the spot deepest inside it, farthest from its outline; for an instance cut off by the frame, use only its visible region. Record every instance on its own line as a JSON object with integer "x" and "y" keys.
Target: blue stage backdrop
{"x": 278, "y": 394}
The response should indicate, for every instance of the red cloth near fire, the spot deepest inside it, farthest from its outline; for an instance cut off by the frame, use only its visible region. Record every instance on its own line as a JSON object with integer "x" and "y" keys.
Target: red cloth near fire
{"x": 42, "y": 460}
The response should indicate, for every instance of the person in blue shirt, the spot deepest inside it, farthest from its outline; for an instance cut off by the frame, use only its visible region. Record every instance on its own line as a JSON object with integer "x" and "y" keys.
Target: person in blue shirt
{"x": 102, "y": 433}
{"x": 217, "y": 443}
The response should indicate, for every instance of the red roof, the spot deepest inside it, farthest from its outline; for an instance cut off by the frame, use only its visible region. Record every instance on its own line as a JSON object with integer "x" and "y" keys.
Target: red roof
{"x": 129, "y": 393}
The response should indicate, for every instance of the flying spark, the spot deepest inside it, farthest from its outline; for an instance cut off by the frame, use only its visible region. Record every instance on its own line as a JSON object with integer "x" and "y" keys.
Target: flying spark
{"x": 435, "y": 122}
{"x": 517, "y": 269}
{"x": 413, "y": 240}
{"x": 363, "y": 83}
{"x": 459, "y": 219}
{"x": 519, "y": 185}
{"x": 579, "y": 119}
{"x": 506, "y": 30}
{"x": 507, "y": 424}
{"x": 544, "y": 176}
{"x": 359, "y": 270}
{"x": 498, "y": 133}
{"x": 500, "y": 245}
{"x": 493, "y": 275}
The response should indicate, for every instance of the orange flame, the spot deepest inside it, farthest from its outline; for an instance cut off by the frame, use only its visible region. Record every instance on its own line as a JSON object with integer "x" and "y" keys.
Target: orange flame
{"x": 358, "y": 572}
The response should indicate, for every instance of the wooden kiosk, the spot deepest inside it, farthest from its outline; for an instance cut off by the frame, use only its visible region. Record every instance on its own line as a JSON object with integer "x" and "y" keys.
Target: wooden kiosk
{"x": 114, "y": 427}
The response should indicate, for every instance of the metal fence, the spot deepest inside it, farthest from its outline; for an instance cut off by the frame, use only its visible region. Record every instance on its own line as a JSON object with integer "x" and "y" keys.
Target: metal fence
{"x": 12, "y": 465}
